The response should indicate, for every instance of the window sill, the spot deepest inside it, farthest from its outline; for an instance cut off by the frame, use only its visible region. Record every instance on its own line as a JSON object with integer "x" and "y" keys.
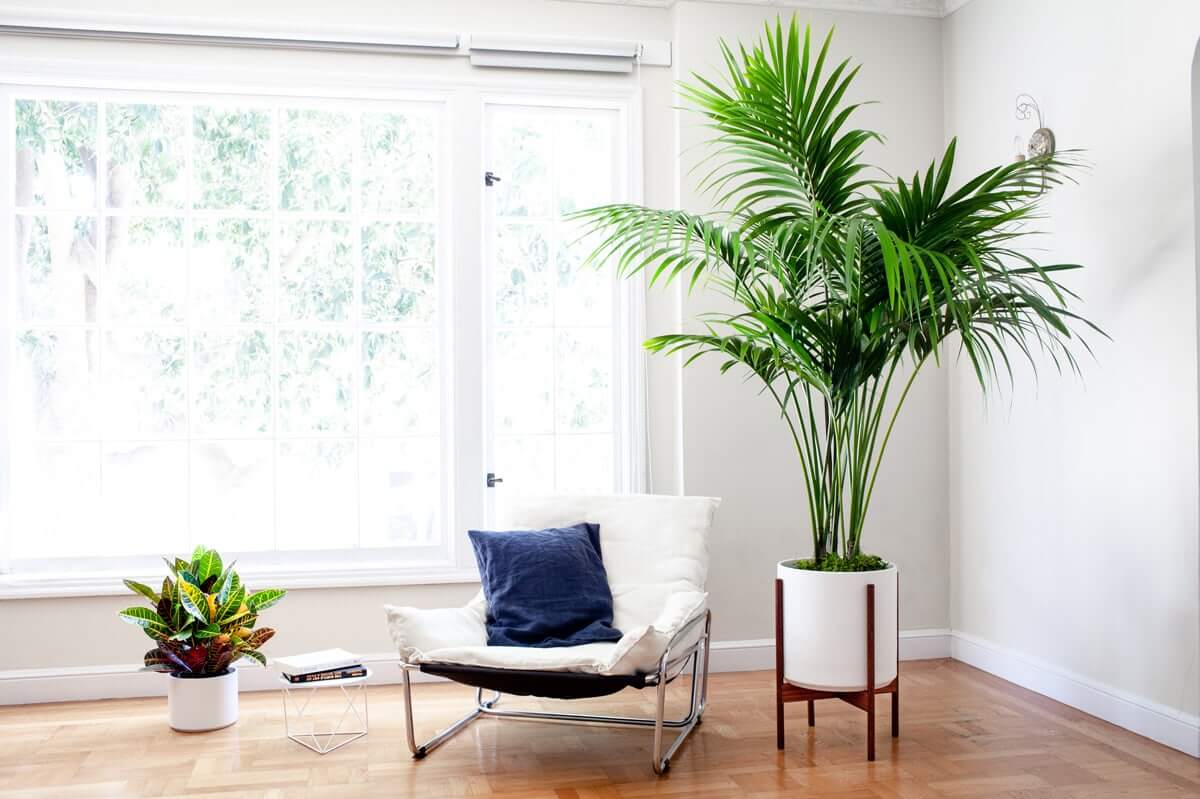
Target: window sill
{"x": 50, "y": 585}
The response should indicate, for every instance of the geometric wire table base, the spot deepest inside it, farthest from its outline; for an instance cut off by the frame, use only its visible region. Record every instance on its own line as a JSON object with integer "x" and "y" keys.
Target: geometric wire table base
{"x": 302, "y": 728}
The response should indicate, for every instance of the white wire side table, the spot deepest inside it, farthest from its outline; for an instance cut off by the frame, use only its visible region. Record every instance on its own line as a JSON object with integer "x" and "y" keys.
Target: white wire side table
{"x": 301, "y": 722}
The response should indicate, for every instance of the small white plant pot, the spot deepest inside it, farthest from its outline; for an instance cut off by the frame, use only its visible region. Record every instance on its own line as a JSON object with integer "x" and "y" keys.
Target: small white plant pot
{"x": 825, "y": 627}
{"x": 199, "y": 704}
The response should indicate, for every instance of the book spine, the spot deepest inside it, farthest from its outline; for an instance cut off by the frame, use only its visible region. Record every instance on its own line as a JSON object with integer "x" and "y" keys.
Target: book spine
{"x": 326, "y": 675}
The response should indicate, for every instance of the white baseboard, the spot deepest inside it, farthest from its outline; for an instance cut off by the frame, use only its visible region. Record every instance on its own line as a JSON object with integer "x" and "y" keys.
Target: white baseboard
{"x": 30, "y": 686}
{"x": 924, "y": 644}
{"x": 1168, "y": 726}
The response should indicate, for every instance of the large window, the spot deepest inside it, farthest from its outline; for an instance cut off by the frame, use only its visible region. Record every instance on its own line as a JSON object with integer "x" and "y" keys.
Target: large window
{"x": 240, "y": 320}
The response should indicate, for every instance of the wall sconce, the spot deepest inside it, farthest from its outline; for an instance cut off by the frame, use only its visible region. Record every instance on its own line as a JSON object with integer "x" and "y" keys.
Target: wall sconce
{"x": 1041, "y": 141}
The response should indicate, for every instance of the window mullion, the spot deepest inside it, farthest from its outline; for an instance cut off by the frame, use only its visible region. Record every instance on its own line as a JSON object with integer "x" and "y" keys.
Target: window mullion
{"x": 273, "y": 237}
{"x": 552, "y": 254}
{"x": 463, "y": 329}
{"x": 100, "y": 203}
{"x": 357, "y": 342}
{"x": 189, "y": 241}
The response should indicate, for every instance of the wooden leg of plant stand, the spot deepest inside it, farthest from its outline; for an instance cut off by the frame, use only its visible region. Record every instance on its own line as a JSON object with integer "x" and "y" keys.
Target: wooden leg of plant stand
{"x": 812, "y": 713}
{"x": 779, "y": 666}
{"x": 896, "y": 687}
{"x": 870, "y": 693}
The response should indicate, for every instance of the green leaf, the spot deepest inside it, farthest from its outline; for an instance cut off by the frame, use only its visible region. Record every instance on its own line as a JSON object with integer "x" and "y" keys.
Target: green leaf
{"x": 261, "y": 600}
{"x": 142, "y": 617}
{"x": 207, "y": 565}
{"x": 151, "y": 623}
{"x": 238, "y": 614}
{"x": 229, "y": 586}
{"x": 208, "y": 631}
{"x": 194, "y": 601}
{"x": 232, "y": 603}
{"x": 186, "y": 576}
{"x": 144, "y": 590}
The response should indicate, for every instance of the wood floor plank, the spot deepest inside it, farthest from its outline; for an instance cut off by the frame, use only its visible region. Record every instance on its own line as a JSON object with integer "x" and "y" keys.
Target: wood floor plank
{"x": 964, "y": 734}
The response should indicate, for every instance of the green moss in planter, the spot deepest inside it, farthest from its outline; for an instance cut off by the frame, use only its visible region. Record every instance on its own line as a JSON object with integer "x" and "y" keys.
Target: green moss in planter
{"x": 859, "y": 562}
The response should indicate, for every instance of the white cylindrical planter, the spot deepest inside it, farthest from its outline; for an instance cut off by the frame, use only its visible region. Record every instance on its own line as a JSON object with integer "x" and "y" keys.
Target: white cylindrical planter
{"x": 197, "y": 704}
{"x": 825, "y": 627}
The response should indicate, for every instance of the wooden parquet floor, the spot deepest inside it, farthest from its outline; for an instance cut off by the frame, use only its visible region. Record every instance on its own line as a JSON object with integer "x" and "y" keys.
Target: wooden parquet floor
{"x": 963, "y": 734}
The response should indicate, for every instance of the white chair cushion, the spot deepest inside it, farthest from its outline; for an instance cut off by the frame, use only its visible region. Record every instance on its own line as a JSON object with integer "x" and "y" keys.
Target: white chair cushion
{"x": 655, "y": 550}
{"x": 459, "y": 635}
{"x": 653, "y": 545}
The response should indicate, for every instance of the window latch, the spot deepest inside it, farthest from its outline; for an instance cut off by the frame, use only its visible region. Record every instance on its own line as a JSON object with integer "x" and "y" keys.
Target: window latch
{"x": 492, "y": 479}
{"x": 490, "y": 178}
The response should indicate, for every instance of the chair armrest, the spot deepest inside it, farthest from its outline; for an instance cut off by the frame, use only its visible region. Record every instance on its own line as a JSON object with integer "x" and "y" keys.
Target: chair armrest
{"x": 684, "y": 635}
{"x": 416, "y": 631}
{"x": 642, "y": 648}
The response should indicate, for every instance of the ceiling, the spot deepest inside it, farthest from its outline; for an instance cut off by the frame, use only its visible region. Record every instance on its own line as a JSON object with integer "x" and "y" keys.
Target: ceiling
{"x": 918, "y": 8}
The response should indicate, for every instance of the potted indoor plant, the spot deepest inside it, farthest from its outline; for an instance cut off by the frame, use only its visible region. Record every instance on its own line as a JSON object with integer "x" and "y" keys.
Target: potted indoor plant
{"x": 201, "y": 622}
{"x": 843, "y": 284}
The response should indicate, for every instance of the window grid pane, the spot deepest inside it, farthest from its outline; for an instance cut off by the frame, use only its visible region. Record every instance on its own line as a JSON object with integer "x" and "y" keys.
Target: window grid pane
{"x": 155, "y": 339}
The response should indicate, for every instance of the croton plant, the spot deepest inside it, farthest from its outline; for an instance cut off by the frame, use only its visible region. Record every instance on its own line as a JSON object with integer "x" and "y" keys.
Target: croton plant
{"x": 203, "y": 618}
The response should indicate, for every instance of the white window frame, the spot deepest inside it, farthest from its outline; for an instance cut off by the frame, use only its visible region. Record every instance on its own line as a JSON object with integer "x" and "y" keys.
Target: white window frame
{"x": 464, "y": 331}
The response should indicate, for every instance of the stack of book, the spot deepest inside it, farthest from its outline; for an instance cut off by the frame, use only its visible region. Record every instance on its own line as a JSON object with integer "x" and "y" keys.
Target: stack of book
{"x": 328, "y": 664}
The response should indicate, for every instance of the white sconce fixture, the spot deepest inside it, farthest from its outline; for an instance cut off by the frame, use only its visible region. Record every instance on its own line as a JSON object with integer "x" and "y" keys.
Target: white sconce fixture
{"x": 1041, "y": 142}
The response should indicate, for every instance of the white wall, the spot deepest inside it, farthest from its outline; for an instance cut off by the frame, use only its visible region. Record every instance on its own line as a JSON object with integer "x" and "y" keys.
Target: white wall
{"x": 1073, "y": 520}
{"x": 734, "y": 443}
{"x": 709, "y": 435}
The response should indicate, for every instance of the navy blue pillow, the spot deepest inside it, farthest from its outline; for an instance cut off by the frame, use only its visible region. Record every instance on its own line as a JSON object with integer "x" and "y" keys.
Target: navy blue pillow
{"x": 545, "y": 588}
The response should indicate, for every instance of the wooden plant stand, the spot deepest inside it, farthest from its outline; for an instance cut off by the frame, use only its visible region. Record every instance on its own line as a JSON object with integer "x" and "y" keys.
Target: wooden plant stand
{"x": 864, "y": 700}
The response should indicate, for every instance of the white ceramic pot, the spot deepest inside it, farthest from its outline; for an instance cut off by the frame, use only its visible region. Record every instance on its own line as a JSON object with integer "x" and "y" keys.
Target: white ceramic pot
{"x": 197, "y": 704}
{"x": 825, "y": 628}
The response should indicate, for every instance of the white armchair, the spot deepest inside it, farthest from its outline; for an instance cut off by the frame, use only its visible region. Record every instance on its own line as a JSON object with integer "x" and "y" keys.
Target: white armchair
{"x": 655, "y": 551}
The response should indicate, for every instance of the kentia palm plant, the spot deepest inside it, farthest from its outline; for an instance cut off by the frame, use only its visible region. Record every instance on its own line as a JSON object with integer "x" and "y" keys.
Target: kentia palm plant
{"x": 847, "y": 285}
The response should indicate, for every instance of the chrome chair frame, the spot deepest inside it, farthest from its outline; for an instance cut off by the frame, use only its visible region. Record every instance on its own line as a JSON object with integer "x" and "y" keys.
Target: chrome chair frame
{"x": 670, "y": 666}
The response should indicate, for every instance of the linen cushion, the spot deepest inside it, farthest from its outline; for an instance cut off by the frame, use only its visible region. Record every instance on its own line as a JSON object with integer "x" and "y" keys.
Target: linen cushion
{"x": 545, "y": 588}
{"x": 654, "y": 545}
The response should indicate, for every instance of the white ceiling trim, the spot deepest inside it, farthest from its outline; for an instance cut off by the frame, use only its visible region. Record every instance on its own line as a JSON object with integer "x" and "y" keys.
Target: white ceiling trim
{"x": 908, "y": 8}
{"x": 527, "y": 52}
{"x": 168, "y": 29}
